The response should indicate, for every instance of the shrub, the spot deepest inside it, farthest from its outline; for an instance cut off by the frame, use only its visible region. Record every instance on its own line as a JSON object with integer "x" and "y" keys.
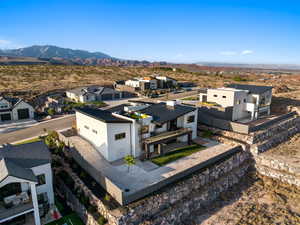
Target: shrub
{"x": 107, "y": 197}
{"x": 207, "y": 134}
{"x": 101, "y": 220}
{"x": 239, "y": 78}
{"x": 51, "y": 111}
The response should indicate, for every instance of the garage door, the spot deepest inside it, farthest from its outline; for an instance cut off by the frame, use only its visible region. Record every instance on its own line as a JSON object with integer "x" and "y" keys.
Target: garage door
{"x": 5, "y": 117}
{"x": 23, "y": 114}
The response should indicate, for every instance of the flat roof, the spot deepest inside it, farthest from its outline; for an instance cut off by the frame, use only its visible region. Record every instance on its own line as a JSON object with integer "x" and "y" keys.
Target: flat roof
{"x": 163, "y": 113}
{"x": 101, "y": 115}
{"x": 255, "y": 89}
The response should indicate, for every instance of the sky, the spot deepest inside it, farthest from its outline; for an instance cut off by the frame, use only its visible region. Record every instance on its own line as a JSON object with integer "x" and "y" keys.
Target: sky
{"x": 238, "y": 31}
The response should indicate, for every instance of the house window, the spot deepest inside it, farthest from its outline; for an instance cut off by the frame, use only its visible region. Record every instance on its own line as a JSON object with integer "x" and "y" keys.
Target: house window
{"x": 215, "y": 96}
{"x": 41, "y": 179}
{"x": 86, "y": 127}
{"x": 244, "y": 100}
{"x": 158, "y": 126}
{"x": 223, "y": 96}
{"x": 42, "y": 198}
{"x": 239, "y": 102}
{"x": 120, "y": 136}
{"x": 191, "y": 119}
{"x": 94, "y": 131}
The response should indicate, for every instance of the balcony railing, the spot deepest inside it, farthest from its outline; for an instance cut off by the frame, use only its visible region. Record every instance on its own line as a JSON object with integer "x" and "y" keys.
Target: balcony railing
{"x": 9, "y": 211}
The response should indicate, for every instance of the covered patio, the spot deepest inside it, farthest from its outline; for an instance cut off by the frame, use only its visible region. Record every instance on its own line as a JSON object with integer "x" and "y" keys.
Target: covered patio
{"x": 165, "y": 138}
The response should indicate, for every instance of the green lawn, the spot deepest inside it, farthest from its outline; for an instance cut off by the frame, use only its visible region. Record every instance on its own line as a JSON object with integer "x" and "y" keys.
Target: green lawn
{"x": 28, "y": 141}
{"x": 177, "y": 154}
{"x": 191, "y": 98}
{"x": 71, "y": 219}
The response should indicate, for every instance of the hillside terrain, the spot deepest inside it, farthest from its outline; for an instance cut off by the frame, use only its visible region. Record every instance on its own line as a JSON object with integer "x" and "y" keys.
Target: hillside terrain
{"x": 37, "y": 79}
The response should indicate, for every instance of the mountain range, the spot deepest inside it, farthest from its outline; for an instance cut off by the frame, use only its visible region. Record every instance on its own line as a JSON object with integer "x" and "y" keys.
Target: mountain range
{"x": 49, "y": 54}
{"x": 50, "y": 51}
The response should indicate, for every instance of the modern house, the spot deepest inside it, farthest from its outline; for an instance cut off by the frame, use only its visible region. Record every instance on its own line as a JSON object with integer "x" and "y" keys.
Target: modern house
{"x": 137, "y": 129}
{"x": 143, "y": 83}
{"x": 237, "y": 101}
{"x": 93, "y": 93}
{"x": 26, "y": 187}
{"x": 14, "y": 109}
{"x": 151, "y": 83}
{"x": 165, "y": 82}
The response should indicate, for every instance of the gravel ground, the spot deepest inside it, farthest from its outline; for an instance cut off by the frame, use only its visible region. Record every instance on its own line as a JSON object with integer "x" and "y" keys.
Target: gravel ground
{"x": 255, "y": 200}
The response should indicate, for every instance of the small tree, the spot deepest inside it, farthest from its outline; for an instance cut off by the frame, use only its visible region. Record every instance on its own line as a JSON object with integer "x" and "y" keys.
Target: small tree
{"x": 51, "y": 111}
{"x": 52, "y": 139}
{"x": 129, "y": 161}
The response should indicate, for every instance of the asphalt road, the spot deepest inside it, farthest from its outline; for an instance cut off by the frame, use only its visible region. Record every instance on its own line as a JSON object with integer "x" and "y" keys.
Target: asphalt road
{"x": 66, "y": 122}
{"x": 37, "y": 130}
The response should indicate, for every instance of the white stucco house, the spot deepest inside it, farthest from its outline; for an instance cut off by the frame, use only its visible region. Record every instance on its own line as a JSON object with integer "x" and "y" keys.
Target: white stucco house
{"x": 152, "y": 82}
{"x": 143, "y": 83}
{"x": 14, "y": 109}
{"x": 26, "y": 185}
{"x": 243, "y": 101}
{"x": 93, "y": 93}
{"x": 136, "y": 129}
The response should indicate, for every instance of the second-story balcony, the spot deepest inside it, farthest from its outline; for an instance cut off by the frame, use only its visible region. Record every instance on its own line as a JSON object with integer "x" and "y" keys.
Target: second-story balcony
{"x": 15, "y": 205}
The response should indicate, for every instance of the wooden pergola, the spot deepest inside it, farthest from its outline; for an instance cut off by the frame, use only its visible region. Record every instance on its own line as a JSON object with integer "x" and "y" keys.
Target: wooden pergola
{"x": 164, "y": 138}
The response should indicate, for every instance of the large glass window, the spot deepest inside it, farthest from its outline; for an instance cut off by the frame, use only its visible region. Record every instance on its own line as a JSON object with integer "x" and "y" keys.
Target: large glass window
{"x": 120, "y": 136}
{"x": 191, "y": 119}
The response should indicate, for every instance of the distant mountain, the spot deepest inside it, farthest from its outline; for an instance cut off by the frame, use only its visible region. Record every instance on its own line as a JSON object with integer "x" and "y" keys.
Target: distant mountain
{"x": 53, "y": 55}
{"x": 252, "y": 66}
{"x": 49, "y": 51}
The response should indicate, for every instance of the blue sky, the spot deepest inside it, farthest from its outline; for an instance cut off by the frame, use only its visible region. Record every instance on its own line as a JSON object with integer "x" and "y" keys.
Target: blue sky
{"x": 172, "y": 30}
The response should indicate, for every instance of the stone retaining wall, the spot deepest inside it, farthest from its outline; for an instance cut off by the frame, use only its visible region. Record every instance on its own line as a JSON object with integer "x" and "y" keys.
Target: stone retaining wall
{"x": 190, "y": 194}
{"x": 279, "y": 169}
{"x": 173, "y": 203}
{"x": 76, "y": 206}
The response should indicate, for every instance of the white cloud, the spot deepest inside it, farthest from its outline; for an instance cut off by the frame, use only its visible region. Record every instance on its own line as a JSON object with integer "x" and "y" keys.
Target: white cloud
{"x": 6, "y": 44}
{"x": 228, "y": 53}
{"x": 247, "y": 52}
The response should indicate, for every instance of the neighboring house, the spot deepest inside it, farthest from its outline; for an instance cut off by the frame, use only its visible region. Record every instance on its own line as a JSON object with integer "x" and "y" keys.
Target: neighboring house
{"x": 93, "y": 93}
{"x": 13, "y": 109}
{"x": 237, "y": 101}
{"x": 143, "y": 83}
{"x": 25, "y": 181}
{"x": 55, "y": 102}
{"x": 151, "y": 82}
{"x": 166, "y": 82}
{"x": 136, "y": 129}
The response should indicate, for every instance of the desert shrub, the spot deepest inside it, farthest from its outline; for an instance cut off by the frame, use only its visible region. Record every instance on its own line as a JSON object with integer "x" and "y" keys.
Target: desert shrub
{"x": 101, "y": 220}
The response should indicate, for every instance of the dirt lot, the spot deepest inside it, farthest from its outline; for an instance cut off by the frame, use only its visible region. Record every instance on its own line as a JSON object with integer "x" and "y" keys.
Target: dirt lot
{"x": 254, "y": 201}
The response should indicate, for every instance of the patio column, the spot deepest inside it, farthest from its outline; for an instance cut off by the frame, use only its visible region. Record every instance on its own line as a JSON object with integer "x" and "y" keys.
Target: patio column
{"x": 37, "y": 218}
{"x": 147, "y": 150}
{"x": 160, "y": 149}
{"x": 189, "y": 138}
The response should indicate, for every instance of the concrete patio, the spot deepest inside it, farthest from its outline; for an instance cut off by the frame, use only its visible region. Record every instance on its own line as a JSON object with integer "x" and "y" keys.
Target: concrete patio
{"x": 144, "y": 177}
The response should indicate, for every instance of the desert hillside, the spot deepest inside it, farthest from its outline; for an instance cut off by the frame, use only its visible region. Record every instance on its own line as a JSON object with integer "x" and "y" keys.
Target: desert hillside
{"x": 31, "y": 80}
